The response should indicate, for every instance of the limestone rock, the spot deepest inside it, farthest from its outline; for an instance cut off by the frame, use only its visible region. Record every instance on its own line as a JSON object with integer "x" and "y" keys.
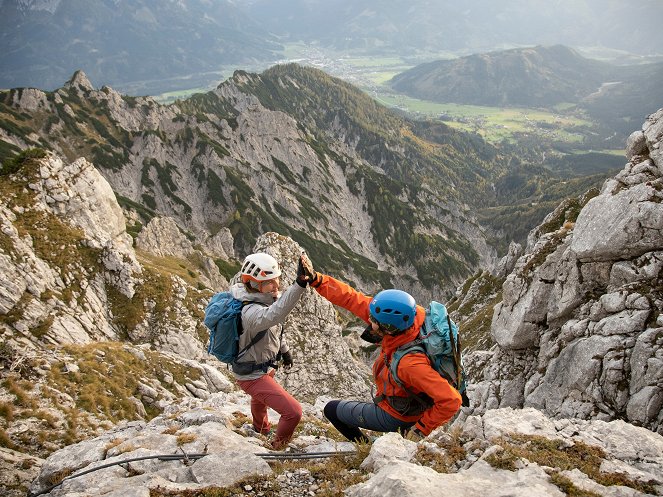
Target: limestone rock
{"x": 79, "y": 81}
{"x": 387, "y": 449}
{"x": 575, "y": 332}
{"x": 404, "y": 479}
{"x": 163, "y": 237}
{"x": 203, "y": 426}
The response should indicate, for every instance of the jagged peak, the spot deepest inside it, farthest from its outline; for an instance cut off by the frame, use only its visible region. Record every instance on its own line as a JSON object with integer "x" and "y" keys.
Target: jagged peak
{"x": 79, "y": 80}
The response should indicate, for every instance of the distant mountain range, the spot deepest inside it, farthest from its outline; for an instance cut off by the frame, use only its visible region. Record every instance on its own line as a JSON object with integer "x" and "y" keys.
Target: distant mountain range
{"x": 528, "y": 77}
{"x": 145, "y": 44}
{"x": 618, "y": 96}
{"x": 147, "y": 47}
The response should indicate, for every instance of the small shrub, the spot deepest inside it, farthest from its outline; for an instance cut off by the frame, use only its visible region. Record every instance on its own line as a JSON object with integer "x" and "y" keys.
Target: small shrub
{"x": 23, "y": 398}
{"x": 13, "y": 165}
{"x": 6, "y": 411}
{"x": 112, "y": 444}
{"x": 442, "y": 462}
{"x": 27, "y": 463}
{"x": 239, "y": 418}
{"x": 58, "y": 476}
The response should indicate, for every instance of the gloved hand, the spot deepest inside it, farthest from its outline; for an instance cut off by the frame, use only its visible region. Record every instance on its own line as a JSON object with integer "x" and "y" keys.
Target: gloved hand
{"x": 414, "y": 435}
{"x": 305, "y": 272}
{"x": 287, "y": 359}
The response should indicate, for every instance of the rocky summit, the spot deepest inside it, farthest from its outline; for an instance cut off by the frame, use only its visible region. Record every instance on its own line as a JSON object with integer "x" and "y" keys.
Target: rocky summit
{"x": 107, "y": 388}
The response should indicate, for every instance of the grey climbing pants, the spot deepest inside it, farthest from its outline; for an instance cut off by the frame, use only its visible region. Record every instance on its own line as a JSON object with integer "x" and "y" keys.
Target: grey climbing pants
{"x": 348, "y": 416}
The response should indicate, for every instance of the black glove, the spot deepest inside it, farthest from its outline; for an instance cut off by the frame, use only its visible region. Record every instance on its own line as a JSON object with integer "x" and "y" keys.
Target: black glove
{"x": 305, "y": 273}
{"x": 287, "y": 359}
{"x": 369, "y": 336}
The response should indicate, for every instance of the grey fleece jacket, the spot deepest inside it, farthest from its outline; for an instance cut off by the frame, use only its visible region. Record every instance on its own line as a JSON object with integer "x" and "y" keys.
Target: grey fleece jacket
{"x": 265, "y": 314}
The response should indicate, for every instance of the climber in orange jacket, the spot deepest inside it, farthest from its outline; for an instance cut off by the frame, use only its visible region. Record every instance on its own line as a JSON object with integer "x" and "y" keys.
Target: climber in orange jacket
{"x": 394, "y": 319}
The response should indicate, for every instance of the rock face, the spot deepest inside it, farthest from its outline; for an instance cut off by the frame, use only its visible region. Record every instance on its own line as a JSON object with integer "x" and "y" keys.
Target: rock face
{"x": 78, "y": 196}
{"x": 579, "y": 331}
{"x": 162, "y": 237}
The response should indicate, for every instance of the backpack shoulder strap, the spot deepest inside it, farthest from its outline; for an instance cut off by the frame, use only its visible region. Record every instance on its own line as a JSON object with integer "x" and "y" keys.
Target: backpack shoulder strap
{"x": 392, "y": 364}
{"x": 240, "y": 328}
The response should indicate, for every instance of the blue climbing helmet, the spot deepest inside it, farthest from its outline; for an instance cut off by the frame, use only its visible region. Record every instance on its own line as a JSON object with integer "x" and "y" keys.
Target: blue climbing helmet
{"x": 394, "y": 310}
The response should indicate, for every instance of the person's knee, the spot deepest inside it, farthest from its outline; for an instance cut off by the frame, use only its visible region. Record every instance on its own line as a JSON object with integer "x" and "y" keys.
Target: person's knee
{"x": 330, "y": 410}
{"x": 294, "y": 412}
{"x": 297, "y": 412}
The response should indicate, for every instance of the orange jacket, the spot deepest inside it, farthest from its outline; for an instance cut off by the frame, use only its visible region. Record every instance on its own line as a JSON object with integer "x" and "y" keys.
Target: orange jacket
{"x": 414, "y": 369}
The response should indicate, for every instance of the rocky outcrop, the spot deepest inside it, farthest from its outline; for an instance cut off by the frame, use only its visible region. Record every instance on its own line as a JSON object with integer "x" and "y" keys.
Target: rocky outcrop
{"x": 163, "y": 237}
{"x": 44, "y": 259}
{"x": 579, "y": 331}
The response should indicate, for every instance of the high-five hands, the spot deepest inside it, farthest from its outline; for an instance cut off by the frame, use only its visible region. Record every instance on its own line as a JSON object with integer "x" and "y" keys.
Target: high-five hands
{"x": 305, "y": 272}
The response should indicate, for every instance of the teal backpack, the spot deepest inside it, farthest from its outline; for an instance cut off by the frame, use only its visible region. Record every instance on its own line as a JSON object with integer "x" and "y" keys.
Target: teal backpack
{"x": 223, "y": 317}
{"x": 439, "y": 340}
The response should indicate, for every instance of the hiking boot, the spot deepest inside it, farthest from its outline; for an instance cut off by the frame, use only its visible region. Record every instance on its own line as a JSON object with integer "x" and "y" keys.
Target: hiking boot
{"x": 279, "y": 444}
{"x": 250, "y": 431}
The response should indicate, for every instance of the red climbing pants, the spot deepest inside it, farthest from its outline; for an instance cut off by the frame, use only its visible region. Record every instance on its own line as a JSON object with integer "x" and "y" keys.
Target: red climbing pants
{"x": 266, "y": 393}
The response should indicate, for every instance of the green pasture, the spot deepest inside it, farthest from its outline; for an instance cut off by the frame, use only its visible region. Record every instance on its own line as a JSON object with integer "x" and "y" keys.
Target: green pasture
{"x": 171, "y": 96}
{"x": 493, "y": 123}
{"x": 372, "y": 62}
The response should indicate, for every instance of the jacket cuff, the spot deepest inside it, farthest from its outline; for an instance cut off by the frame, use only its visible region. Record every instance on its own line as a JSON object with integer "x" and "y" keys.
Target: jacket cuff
{"x": 317, "y": 281}
{"x": 425, "y": 431}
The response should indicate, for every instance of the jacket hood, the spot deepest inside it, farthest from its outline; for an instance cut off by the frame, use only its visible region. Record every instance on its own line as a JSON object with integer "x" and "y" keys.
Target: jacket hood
{"x": 239, "y": 291}
{"x": 391, "y": 343}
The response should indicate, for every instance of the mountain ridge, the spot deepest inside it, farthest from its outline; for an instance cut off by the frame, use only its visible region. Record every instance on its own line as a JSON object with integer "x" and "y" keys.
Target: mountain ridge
{"x": 205, "y": 154}
{"x": 615, "y": 96}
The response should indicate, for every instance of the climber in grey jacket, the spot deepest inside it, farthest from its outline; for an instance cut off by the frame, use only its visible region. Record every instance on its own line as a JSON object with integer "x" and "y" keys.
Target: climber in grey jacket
{"x": 263, "y": 313}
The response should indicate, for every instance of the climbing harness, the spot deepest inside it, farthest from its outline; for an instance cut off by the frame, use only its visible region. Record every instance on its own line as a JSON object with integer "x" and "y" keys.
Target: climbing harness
{"x": 187, "y": 458}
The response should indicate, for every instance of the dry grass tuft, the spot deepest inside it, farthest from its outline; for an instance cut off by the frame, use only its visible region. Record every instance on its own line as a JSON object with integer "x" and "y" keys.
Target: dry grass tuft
{"x": 185, "y": 438}
{"x": 239, "y": 419}
{"x": 57, "y": 477}
{"x": 554, "y": 454}
{"x": 266, "y": 486}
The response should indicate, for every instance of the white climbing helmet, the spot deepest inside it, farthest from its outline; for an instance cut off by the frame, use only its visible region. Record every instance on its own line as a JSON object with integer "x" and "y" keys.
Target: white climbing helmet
{"x": 260, "y": 267}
